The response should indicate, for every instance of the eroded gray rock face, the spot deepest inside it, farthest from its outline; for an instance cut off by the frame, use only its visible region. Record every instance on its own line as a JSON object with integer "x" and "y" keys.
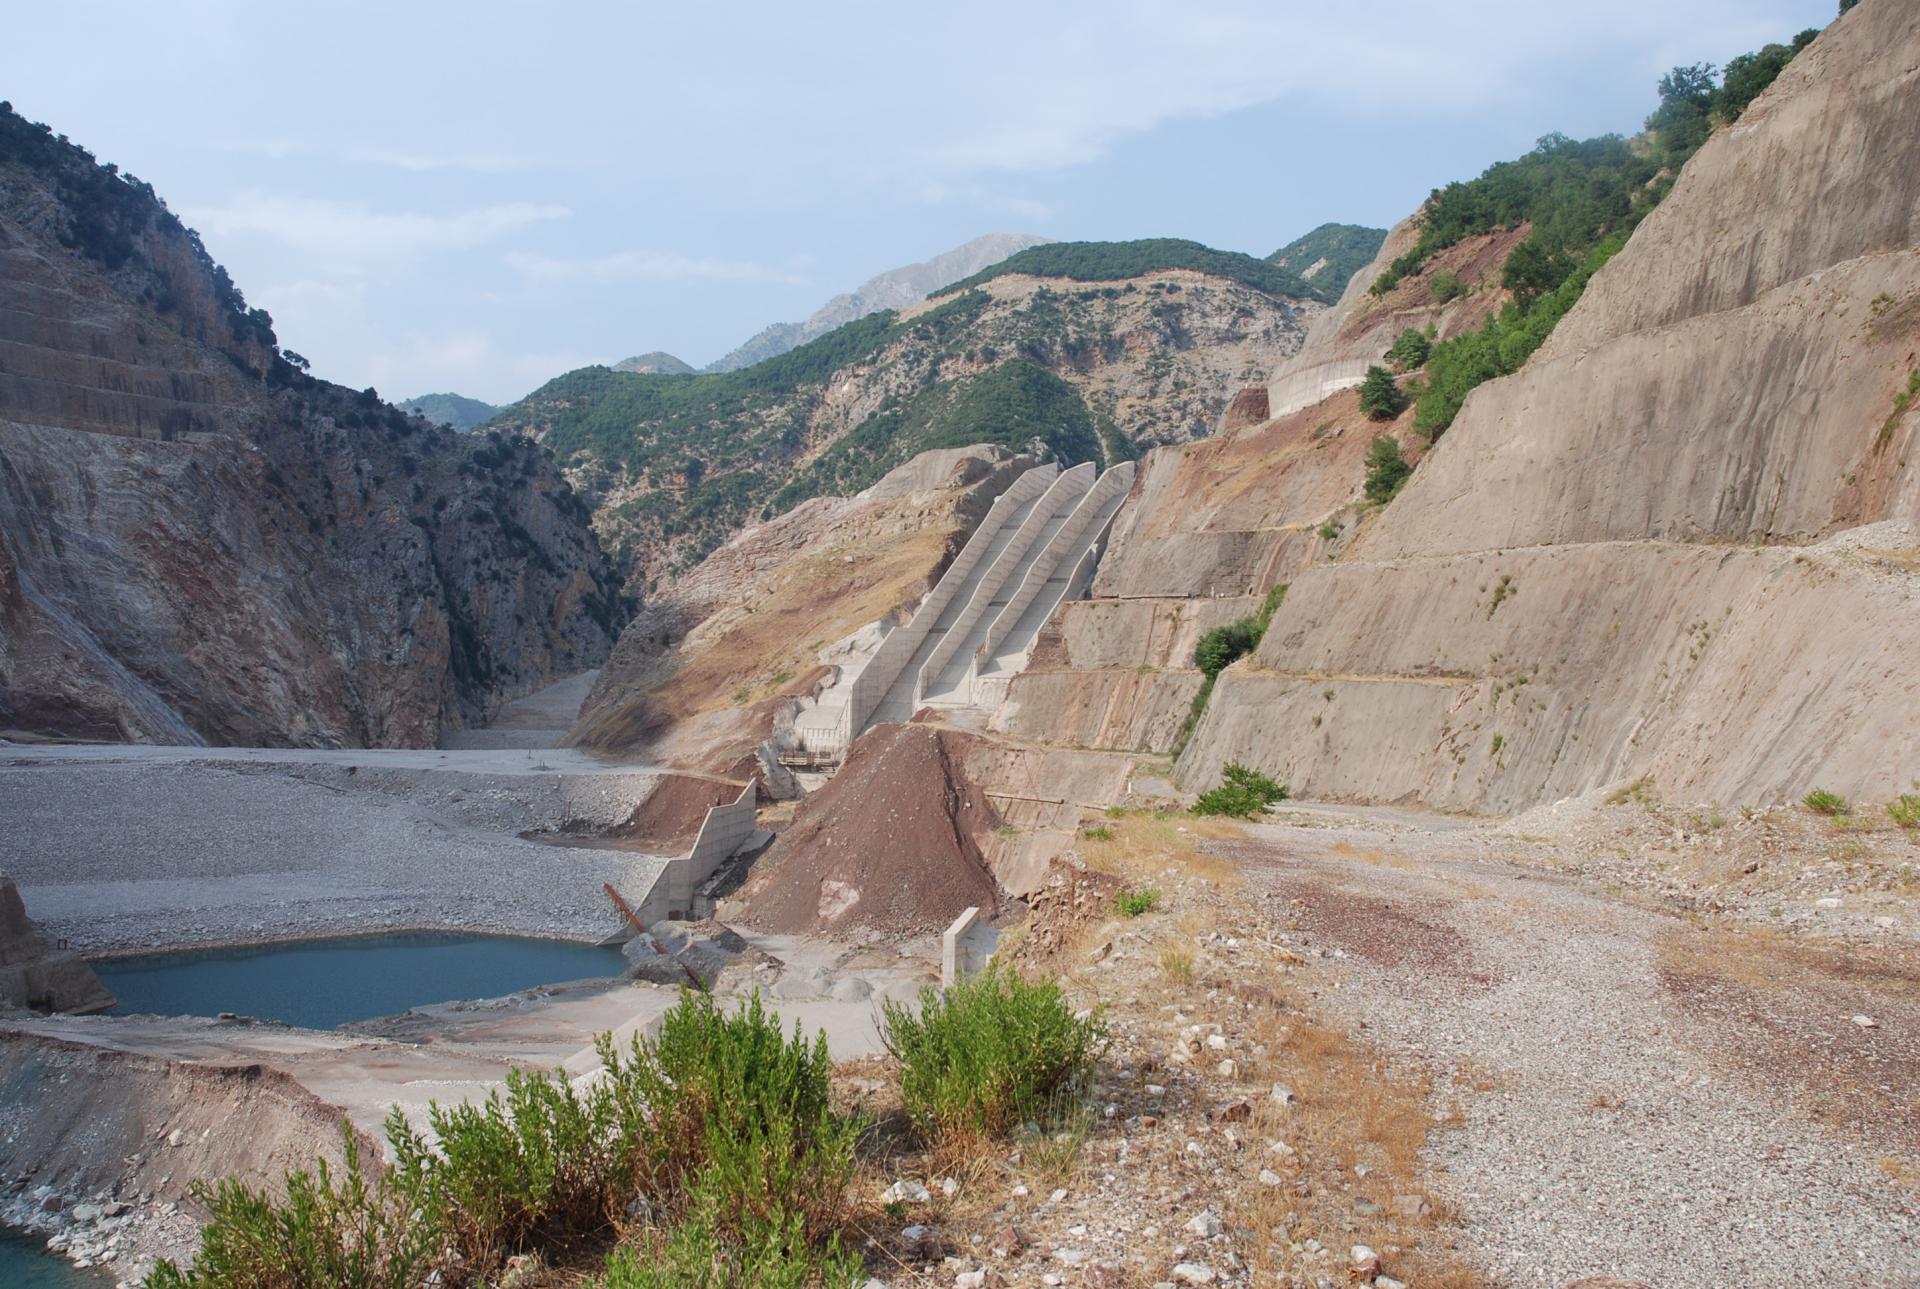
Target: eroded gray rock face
{"x": 200, "y": 543}
{"x": 1680, "y": 542}
{"x": 33, "y": 975}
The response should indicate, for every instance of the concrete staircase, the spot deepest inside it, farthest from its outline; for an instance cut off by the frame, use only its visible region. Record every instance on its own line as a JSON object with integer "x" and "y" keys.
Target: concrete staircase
{"x": 1036, "y": 547}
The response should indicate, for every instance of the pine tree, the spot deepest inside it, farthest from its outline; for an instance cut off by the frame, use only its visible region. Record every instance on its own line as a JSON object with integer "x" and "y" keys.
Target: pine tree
{"x": 1379, "y": 396}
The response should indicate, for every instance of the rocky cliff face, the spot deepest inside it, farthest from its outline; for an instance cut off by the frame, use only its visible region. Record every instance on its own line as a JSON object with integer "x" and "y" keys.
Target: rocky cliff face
{"x": 199, "y": 542}
{"x": 895, "y": 289}
{"x": 1681, "y": 542}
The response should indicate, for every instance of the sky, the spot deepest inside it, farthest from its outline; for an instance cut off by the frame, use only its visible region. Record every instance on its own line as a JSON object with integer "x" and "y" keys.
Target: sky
{"x": 476, "y": 197}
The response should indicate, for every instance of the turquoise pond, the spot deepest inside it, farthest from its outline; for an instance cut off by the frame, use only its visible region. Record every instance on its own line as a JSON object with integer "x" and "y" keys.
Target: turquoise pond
{"x": 319, "y": 984}
{"x": 26, "y": 1264}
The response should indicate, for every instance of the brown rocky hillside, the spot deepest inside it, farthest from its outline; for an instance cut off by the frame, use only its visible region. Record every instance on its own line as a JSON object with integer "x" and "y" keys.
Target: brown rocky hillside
{"x": 199, "y": 542}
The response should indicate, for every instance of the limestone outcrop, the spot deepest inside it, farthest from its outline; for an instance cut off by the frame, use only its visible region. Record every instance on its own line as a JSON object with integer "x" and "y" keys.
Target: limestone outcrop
{"x": 36, "y": 976}
{"x": 1682, "y": 542}
{"x": 201, "y": 543}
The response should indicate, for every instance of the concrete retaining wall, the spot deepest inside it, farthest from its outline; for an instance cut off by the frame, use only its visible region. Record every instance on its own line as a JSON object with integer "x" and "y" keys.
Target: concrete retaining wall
{"x": 725, "y": 830}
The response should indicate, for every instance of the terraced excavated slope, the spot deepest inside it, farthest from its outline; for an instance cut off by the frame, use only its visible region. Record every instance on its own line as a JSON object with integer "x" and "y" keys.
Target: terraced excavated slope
{"x": 201, "y": 543}
{"x": 1681, "y": 542}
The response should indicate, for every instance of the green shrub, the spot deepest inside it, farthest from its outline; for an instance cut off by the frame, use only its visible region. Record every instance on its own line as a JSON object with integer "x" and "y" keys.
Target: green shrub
{"x": 1220, "y": 647}
{"x": 1243, "y": 793}
{"x": 356, "y": 1233}
{"x": 722, "y": 1126}
{"x": 1411, "y": 349}
{"x": 1387, "y": 470}
{"x": 1905, "y": 810}
{"x": 1445, "y": 285}
{"x": 1099, "y": 832}
{"x": 1380, "y": 397}
{"x": 1822, "y": 802}
{"x": 1133, "y": 903}
{"x": 989, "y": 1053}
{"x": 737, "y": 1117}
{"x": 1330, "y": 531}
{"x": 769, "y": 1255}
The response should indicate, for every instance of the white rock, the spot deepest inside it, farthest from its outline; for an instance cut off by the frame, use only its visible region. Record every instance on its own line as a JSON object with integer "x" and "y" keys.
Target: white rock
{"x": 1283, "y": 1095}
{"x": 1057, "y": 1196}
{"x": 1864, "y": 1022}
{"x": 1193, "y": 1273}
{"x": 1155, "y": 1090}
{"x": 1070, "y": 1257}
{"x": 1269, "y": 1178}
{"x": 1203, "y": 1224}
{"x": 949, "y": 1186}
{"x": 1828, "y": 903}
{"x": 1218, "y": 1042}
{"x": 970, "y": 1280}
{"x": 906, "y": 1191}
{"x": 1228, "y": 1068}
{"x": 1388, "y": 1282}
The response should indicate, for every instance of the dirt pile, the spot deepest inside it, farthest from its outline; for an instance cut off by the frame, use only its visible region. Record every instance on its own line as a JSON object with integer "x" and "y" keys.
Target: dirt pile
{"x": 670, "y": 818}
{"x": 892, "y": 844}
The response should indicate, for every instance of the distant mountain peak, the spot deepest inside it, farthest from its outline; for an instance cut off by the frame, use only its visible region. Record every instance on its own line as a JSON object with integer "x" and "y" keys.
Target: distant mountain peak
{"x": 894, "y": 289}
{"x": 455, "y": 411}
{"x": 656, "y": 363}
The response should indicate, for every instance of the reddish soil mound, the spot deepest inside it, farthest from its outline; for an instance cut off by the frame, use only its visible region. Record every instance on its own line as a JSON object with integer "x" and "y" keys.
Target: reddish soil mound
{"x": 890, "y": 843}
{"x": 670, "y": 818}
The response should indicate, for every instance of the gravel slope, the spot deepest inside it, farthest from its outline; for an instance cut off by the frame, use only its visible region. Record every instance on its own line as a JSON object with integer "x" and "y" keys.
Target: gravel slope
{"x": 1611, "y": 1122}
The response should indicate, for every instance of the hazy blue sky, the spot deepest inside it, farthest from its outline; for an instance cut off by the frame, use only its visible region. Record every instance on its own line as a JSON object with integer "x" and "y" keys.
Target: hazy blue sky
{"x": 479, "y": 196}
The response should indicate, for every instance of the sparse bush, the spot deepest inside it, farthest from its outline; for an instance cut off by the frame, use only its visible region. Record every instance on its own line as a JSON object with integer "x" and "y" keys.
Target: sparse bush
{"x": 1330, "y": 531}
{"x": 1822, "y": 802}
{"x": 1905, "y": 810}
{"x": 722, "y": 1127}
{"x": 1099, "y": 832}
{"x": 770, "y": 1255}
{"x": 989, "y": 1053}
{"x": 1133, "y": 903}
{"x": 1176, "y": 965}
{"x": 1242, "y": 794}
{"x": 1445, "y": 285}
{"x": 353, "y": 1233}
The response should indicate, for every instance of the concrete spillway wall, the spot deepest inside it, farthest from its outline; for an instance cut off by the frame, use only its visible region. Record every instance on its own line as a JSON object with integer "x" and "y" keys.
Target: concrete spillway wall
{"x": 890, "y": 659}
{"x": 1050, "y": 512}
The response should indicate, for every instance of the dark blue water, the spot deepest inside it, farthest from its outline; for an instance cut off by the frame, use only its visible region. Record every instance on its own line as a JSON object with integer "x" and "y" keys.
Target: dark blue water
{"x": 323, "y": 983}
{"x": 26, "y": 1264}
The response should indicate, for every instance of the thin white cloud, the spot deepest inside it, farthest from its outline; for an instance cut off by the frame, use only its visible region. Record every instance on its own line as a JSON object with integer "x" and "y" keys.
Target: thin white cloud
{"x": 645, "y": 266}
{"x": 352, "y": 233}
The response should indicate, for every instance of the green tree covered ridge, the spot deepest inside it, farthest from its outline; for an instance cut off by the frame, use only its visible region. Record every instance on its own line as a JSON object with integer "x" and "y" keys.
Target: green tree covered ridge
{"x": 1345, "y": 250}
{"x": 1120, "y": 261}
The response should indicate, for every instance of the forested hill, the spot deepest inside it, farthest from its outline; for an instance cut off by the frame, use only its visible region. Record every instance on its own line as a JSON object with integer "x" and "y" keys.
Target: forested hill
{"x": 1079, "y": 370}
{"x": 1118, "y": 261}
{"x": 1327, "y": 258}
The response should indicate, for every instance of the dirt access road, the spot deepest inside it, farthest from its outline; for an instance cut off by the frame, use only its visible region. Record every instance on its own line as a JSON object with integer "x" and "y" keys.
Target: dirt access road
{"x": 1628, "y": 1091}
